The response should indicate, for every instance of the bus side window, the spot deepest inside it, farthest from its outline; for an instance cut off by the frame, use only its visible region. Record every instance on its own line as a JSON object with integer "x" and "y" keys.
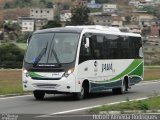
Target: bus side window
{"x": 85, "y": 52}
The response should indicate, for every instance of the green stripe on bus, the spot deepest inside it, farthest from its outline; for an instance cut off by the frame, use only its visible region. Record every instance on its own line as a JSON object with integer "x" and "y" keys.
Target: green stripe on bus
{"x": 135, "y": 68}
{"x": 132, "y": 66}
{"x": 33, "y": 74}
{"x": 138, "y": 71}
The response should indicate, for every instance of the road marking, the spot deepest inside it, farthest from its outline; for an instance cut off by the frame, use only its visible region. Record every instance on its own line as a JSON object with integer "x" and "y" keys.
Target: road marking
{"x": 4, "y": 98}
{"x": 86, "y": 108}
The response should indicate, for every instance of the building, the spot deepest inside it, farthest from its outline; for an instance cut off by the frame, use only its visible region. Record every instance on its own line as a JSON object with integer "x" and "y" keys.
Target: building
{"x": 134, "y": 3}
{"x": 109, "y": 8}
{"x": 137, "y": 16}
{"x": 147, "y": 22}
{"x": 39, "y": 23}
{"x": 27, "y": 24}
{"x": 65, "y": 17}
{"x": 44, "y": 13}
{"x": 154, "y": 31}
{"x": 101, "y": 19}
{"x": 116, "y": 21}
{"x": 93, "y": 4}
{"x": 135, "y": 29}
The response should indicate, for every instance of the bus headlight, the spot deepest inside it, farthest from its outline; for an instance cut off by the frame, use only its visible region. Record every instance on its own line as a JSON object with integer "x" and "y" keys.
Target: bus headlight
{"x": 66, "y": 74}
{"x": 25, "y": 72}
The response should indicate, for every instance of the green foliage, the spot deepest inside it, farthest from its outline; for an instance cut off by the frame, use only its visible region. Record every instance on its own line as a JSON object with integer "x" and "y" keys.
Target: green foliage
{"x": 142, "y": 105}
{"x": 66, "y": 7}
{"x": 12, "y": 28}
{"x": 11, "y": 56}
{"x": 23, "y": 3}
{"x": 42, "y": 1}
{"x": 52, "y": 24}
{"x": 7, "y": 6}
{"x": 128, "y": 19}
{"x": 152, "y": 103}
{"x": 49, "y": 5}
{"x": 80, "y": 16}
{"x": 152, "y": 10}
{"x": 23, "y": 38}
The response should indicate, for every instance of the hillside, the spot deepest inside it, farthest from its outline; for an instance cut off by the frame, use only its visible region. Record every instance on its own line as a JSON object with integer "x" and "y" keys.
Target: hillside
{"x": 4, "y": 1}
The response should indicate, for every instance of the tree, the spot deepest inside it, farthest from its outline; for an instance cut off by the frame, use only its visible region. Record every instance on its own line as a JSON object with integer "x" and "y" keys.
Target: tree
{"x": 12, "y": 28}
{"x": 80, "y": 16}
{"x": 11, "y": 56}
{"x": 152, "y": 10}
{"x": 7, "y": 6}
{"x": 23, "y": 3}
{"x": 52, "y": 24}
{"x": 49, "y": 5}
{"x": 42, "y": 1}
{"x": 66, "y": 7}
{"x": 128, "y": 19}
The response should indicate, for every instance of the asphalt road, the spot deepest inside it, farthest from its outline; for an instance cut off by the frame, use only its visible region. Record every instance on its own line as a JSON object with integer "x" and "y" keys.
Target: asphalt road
{"x": 67, "y": 105}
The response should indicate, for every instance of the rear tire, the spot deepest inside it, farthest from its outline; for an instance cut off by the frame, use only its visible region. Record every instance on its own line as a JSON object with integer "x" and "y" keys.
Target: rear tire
{"x": 120, "y": 90}
{"x": 39, "y": 95}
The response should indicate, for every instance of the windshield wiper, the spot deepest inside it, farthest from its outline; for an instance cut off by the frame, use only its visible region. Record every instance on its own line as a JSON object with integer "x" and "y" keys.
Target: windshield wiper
{"x": 55, "y": 54}
{"x": 43, "y": 51}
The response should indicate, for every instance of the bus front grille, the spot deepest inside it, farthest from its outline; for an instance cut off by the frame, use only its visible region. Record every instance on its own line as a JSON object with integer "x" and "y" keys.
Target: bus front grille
{"x": 41, "y": 85}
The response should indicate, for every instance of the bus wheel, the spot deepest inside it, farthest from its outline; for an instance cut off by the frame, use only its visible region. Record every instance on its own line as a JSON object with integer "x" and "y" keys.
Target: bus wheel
{"x": 39, "y": 95}
{"x": 120, "y": 90}
{"x": 80, "y": 95}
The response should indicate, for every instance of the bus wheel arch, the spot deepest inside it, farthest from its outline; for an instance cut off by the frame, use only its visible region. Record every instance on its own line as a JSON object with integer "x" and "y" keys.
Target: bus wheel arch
{"x": 86, "y": 86}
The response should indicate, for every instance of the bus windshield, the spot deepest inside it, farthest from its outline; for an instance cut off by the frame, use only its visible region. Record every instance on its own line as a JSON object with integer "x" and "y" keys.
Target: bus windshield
{"x": 48, "y": 48}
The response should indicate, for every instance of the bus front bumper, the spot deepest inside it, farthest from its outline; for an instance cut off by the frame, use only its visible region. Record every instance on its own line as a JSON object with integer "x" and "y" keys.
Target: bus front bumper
{"x": 66, "y": 85}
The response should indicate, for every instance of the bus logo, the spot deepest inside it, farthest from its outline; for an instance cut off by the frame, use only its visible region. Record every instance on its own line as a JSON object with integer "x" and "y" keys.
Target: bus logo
{"x": 106, "y": 67}
{"x": 95, "y": 63}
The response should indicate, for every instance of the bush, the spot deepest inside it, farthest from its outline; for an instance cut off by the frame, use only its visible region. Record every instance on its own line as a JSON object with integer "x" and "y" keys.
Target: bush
{"x": 11, "y": 56}
{"x": 23, "y": 38}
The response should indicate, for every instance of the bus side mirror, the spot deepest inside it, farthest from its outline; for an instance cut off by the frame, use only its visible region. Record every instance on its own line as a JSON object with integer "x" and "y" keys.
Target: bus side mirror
{"x": 87, "y": 43}
{"x": 140, "y": 52}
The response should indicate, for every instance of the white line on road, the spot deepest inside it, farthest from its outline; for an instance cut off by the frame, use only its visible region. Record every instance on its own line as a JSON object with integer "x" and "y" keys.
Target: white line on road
{"x": 86, "y": 108}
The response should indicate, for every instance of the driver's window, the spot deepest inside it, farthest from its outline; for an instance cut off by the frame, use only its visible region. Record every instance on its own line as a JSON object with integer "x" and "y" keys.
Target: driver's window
{"x": 85, "y": 52}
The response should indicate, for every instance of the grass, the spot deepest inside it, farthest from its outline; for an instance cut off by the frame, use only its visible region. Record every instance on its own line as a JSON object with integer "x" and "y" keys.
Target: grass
{"x": 152, "y": 103}
{"x": 10, "y": 80}
{"x": 22, "y": 45}
{"x": 151, "y": 73}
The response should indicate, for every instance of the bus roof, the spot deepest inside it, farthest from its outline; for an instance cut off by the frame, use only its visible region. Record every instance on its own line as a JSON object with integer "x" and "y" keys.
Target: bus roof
{"x": 60, "y": 29}
{"x": 89, "y": 28}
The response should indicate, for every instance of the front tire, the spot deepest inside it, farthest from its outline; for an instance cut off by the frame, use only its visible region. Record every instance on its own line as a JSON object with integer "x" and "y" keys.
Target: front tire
{"x": 39, "y": 95}
{"x": 80, "y": 95}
